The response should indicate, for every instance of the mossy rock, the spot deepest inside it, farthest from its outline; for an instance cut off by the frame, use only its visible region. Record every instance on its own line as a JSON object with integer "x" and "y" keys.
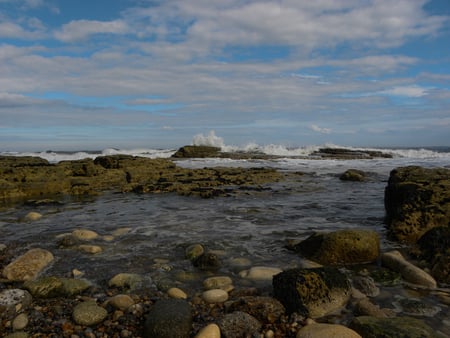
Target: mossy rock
{"x": 196, "y": 152}
{"x": 342, "y": 247}
{"x": 354, "y": 175}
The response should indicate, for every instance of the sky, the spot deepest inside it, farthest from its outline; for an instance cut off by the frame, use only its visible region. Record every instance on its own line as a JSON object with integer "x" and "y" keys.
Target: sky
{"x": 95, "y": 74}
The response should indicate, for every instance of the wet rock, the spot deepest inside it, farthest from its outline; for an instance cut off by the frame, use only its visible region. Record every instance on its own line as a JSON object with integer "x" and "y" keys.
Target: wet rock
{"x": 89, "y": 313}
{"x": 239, "y": 324}
{"x": 342, "y": 247}
{"x": 415, "y": 307}
{"x": 312, "y": 292}
{"x": 398, "y": 327}
{"x": 326, "y": 330}
{"x": 261, "y": 273}
{"x": 218, "y": 282}
{"x": 13, "y": 301}
{"x": 207, "y": 261}
{"x": 196, "y": 152}
{"x": 353, "y": 175}
{"x": 121, "y": 302}
{"x": 364, "y": 307}
{"x": 265, "y": 309}
{"x": 84, "y": 234}
{"x": 51, "y": 287}
{"x": 28, "y": 266}
{"x": 17, "y": 335}
{"x": 194, "y": 251}
{"x": 416, "y": 200}
{"x": 411, "y": 273}
{"x": 366, "y": 285}
{"x": 91, "y": 249}
{"x": 33, "y": 216}
{"x": 169, "y": 318}
{"x": 209, "y": 331}
{"x": 349, "y": 154}
{"x": 126, "y": 280}
{"x": 215, "y": 296}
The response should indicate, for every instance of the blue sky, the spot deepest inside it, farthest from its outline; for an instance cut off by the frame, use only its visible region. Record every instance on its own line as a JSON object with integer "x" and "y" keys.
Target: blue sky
{"x": 153, "y": 73}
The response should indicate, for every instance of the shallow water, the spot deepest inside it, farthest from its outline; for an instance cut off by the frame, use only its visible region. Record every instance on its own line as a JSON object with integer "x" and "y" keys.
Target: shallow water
{"x": 254, "y": 225}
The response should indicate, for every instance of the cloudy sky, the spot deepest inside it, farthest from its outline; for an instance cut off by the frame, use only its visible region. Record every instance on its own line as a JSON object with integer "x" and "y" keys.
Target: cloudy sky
{"x": 91, "y": 74}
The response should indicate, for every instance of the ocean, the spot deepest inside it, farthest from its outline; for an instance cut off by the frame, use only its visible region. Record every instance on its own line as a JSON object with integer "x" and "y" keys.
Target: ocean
{"x": 254, "y": 226}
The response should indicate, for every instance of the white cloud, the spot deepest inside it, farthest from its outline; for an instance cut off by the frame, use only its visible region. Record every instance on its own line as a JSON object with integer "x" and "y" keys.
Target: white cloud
{"x": 81, "y": 29}
{"x": 406, "y": 91}
{"x": 318, "y": 129}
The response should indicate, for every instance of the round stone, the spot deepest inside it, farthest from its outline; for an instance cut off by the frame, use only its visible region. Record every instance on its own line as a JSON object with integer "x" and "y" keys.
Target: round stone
{"x": 33, "y": 216}
{"x": 84, "y": 234}
{"x": 194, "y": 251}
{"x": 209, "y": 331}
{"x": 217, "y": 282}
{"x": 260, "y": 273}
{"x": 20, "y": 322}
{"x": 89, "y": 313}
{"x": 121, "y": 302}
{"x": 326, "y": 330}
{"x": 92, "y": 249}
{"x": 215, "y": 296}
{"x": 176, "y": 293}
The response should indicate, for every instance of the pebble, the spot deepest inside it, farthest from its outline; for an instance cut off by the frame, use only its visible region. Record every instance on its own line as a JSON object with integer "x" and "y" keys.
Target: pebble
{"x": 240, "y": 262}
{"x": 92, "y": 249}
{"x": 215, "y": 296}
{"x": 411, "y": 273}
{"x": 33, "y": 216}
{"x": 326, "y": 330}
{"x": 121, "y": 231}
{"x": 20, "y": 322}
{"x": 130, "y": 280}
{"x": 260, "y": 273}
{"x": 89, "y": 313}
{"x": 12, "y": 301}
{"x": 194, "y": 251}
{"x": 108, "y": 238}
{"x": 209, "y": 331}
{"x": 121, "y": 302}
{"x": 176, "y": 293}
{"x": 77, "y": 273}
{"x": 84, "y": 234}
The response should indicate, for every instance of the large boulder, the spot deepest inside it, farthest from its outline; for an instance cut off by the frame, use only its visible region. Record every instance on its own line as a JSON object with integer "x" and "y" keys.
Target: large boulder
{"x": 342, "y": 247}
{"x": 312, "y": 292}
{"x": 416, "y": 200}
{"x": 196, "y": 152}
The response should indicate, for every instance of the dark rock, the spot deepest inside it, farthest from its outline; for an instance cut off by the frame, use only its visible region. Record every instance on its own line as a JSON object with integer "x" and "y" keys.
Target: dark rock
{"x": 342, "y": 247}
{"x": 311, "y": 292}
{"x": 265, "y": 309}
{"x": 348, "y": 154}
{"x": 207, "y": 261}
{"x": 416, "y": 200}
{"x": 196, "y": 152}
{"x": 239, "y": 324}
{"x": 170, "y": 318}
{"x": 353, "y": 175}
{"x": 397, "y": 327}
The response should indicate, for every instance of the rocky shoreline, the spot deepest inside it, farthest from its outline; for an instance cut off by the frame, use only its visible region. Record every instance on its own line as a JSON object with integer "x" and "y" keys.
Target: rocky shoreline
{"x": 334, "y": 292}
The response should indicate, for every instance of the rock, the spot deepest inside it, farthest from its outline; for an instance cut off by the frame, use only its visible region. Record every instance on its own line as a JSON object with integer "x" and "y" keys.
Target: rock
{"x": 176, "y": 293}
{"x": 411, "y": 273}
{"x": 398, "y": 327}
{"x": 168, "y": 318}
{"x": 215, "y": 296}
{"x": 353, "y": 175}
{"x": 364, "y": 307}
{"x": 348, "y": 154}
{"x": 196, "y": 152}
{"x": 239, "y": 324}
{"x": 342, "y": 247}
{"x": 17, "y": 335}
{"x": 218, "y": 282}
{"x": 209, "y": 331}
{"x": 366, "y": 285}
{"x": 89, "y": 313}
{"x": 121, "y": 302}
{"x": 91, "y": 249}
{"x": 121, "y": 231}
{"x": 326, "y": 330}
{"x": 126, "y": 280}
{"x": 312, "y": 292}
{"x": 261, "y": 273}
{"x": 416, "y": 200}
{"x": 240, "y": 262}
{"x": 208, "y": 261}
{"x": 415, "y": 307}
{"x": 194, "y": 251}
{"x": 265, "y": 309}
{"x": 28, "y": 266}
{"x": 84, "y": 234}
{"x": 20, "y": 322}
{"x": 33, "y": 216}
{"x": 13, "y": 301}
